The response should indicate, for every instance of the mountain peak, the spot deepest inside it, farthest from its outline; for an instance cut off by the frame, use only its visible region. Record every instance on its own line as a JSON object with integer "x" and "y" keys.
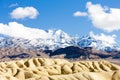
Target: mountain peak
{"x": 51, "y": 39}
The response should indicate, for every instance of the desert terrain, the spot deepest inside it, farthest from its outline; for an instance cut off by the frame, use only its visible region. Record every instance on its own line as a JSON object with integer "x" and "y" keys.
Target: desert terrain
{"x": 58, "y": 69}
{"x": 17, "y": 63}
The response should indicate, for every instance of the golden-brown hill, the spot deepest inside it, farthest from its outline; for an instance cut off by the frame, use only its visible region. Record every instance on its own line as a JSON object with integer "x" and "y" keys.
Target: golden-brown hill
{"x": 58, "y": 69}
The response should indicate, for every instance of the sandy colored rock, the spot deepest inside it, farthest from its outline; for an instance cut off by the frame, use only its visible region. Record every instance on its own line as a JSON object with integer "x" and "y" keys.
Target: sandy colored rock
{"x": 58, "y": 69}
{"x": 116, "y": 75}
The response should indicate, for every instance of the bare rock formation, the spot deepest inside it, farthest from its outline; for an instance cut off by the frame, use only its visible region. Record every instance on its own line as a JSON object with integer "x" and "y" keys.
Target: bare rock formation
{"x": 12, "y": 53}
{"x": 58, "y": 69}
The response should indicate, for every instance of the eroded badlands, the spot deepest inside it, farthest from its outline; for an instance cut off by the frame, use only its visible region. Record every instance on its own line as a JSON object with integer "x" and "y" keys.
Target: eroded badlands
{"x": 58, "y": 69}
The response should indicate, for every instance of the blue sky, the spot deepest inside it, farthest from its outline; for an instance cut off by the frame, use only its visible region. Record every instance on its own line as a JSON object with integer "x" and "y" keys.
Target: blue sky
{"x": 59, "y": 14}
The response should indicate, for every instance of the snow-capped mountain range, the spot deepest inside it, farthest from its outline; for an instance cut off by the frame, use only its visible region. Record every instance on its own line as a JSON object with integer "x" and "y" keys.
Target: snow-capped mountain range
{"x": 52, "y": 40}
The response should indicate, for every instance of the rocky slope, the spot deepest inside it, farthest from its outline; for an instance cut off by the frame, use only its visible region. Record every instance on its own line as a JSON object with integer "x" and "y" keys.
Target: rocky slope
{"x": 76, "y": 52}
{"x": 13, "y": 53}
{"x": 71, "y": 53}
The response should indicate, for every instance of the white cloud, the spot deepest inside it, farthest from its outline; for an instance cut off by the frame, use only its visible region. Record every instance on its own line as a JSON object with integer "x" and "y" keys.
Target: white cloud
{"x": 109, "y": 39}
{"x": 17, "y": 30}
{"x": 14, "y": 5}
{"x": 78, "y": 14}
{"x": 107, "y": 19}
{"x": 24, "y": 12}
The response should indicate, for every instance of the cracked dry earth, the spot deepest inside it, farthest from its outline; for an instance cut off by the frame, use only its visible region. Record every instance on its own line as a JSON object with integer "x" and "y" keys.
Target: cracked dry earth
{"x": 58, "y": 69}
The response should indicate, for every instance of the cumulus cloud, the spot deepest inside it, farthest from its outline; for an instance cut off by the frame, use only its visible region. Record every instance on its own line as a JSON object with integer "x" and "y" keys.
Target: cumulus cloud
{"x": 17, "y": 30}
{"x": 14, "y": 5}
{"x": 24, "y": 12}
{"x": 105, "y": 18}
{"x": 109, "y": 39}
{"x": 78, "y": 14}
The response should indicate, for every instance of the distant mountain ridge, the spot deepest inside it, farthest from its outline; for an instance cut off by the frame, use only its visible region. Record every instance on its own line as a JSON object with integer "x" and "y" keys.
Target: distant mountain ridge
{"x": 52, "y": 40}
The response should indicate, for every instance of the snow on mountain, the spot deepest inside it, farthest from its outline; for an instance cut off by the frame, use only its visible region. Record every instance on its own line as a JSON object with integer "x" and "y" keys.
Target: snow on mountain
{"x": 100, "y": 42}
{"x": 54, "y": 40}
{"x": 60, "y": 39}
{"x": 15, "y": 34}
